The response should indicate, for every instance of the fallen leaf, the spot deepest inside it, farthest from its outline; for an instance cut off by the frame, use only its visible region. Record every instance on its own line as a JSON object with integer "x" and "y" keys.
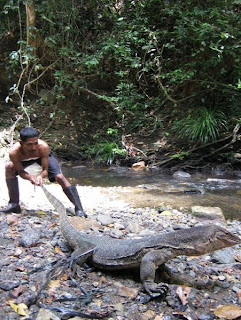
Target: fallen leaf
{"x": 19, "y": 268}
{"x": 228, "y": 311}
{"x": 13, "y": 306}
{"x": 53, "y": 284}
{"x": 166, "y": 213}
{"x": 99, "y": 303}
{"x": 41, "y": 213}
{"x": 57, "y": 250}
{"x": 16, "y": 292}
{"x": 12, "y": 219}
{"x": 20, "y": 309}
{"x": 52, "y": 225}
{"x": 183, "y": 293}
{"x": 50, "y": 299}
{"x": 64, "y": 276}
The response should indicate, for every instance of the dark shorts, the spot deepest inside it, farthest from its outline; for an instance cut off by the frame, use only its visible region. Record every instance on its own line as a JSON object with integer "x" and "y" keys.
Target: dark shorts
{"x": 53, "y": 168}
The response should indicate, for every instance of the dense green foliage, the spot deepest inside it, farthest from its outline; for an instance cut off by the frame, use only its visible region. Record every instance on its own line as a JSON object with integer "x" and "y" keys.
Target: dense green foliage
{"x": 172, "y": 60}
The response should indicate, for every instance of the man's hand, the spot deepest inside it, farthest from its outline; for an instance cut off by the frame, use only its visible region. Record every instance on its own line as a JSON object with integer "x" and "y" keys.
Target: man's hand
{"x": 40, "y": 180}
{"x": 37, "y": 181}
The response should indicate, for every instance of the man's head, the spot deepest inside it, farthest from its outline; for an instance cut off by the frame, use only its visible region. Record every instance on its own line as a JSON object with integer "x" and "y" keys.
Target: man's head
{"x": 27, "y": 133}
{"x": 29, "y": 141}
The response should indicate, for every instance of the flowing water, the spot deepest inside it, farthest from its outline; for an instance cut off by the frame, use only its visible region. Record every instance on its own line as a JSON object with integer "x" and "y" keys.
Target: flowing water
{"x": 155, "y": 189}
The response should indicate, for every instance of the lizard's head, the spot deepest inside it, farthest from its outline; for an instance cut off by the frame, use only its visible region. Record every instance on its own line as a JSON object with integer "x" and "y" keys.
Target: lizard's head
{"x": 224, "y": 238}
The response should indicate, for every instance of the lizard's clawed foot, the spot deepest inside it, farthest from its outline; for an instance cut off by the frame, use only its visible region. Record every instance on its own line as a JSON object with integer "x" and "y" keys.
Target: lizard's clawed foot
{"x": 154, "y": 289}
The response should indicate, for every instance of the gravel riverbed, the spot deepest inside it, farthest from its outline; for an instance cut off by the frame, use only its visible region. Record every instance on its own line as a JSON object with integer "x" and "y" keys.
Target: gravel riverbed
{"x": 33, "y": 252}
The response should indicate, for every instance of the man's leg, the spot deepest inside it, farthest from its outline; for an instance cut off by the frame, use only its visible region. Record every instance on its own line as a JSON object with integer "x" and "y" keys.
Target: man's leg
{"x": 13, "y": 190}
{"x": 71, "y": 192}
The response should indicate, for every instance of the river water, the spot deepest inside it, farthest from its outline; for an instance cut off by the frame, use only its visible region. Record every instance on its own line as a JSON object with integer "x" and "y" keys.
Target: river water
{"x": 156, "y": 189}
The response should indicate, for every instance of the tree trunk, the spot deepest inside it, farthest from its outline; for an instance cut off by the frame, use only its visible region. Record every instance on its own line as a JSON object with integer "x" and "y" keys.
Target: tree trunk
{"x": 31, "y": 25}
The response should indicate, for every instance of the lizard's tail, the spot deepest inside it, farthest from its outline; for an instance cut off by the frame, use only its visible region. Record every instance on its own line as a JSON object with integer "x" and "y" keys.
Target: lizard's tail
{"x": 67, "y": 229}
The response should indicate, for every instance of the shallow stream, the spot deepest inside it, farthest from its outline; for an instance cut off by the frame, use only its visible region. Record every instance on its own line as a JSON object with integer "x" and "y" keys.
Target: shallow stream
{"x": 155, "y": 189}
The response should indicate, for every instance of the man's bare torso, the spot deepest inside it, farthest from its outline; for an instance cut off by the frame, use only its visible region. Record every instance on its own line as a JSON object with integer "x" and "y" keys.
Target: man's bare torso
{"x": 36, "y": 150}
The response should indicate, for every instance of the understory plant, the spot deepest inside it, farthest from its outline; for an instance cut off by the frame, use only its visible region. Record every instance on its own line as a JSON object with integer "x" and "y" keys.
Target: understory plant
{"x": 201, "y": 125}
{"x": 107, "y": 151}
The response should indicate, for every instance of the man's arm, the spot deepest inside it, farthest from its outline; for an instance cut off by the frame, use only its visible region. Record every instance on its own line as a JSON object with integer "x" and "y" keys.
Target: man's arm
{"x": 44, "y": 163}
{"x": 13, "y": 155}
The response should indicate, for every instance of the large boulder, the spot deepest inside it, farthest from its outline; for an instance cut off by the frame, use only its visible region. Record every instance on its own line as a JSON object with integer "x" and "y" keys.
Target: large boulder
{"x": 214, "y": 214}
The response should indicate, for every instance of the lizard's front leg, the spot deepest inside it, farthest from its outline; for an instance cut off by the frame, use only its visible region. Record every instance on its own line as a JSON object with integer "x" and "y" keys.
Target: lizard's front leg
{"x": 80, "y": 256}
{"x": 150, "y": 262}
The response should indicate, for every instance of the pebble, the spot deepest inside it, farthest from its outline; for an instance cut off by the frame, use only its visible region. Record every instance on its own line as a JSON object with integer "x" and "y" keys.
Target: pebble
{"x": 29, "y": 237}
{"x": 8, "y": 285}
{"x": 104, "y": 219}
{"x": 206, "y": 317}
{"x": 116, "y": 233}
{"x": 130, "y": 293}
{"x": 146, "y": 233}
{"x": 44, "y": 314}
{"x": 134, "y": 228}
{"x": 181, "y": 174}
{"x": 223, "y": 256}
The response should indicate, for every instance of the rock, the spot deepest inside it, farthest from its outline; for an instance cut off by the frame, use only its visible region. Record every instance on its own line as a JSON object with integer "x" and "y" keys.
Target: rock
{"x": 146, "y": 233}
{"x": 202, "y": 213}
{"x": 171, "y": 302}
{"x": 149, "y": 314}
{"x": 126, "y": 292}
{"x": 104, "y": 219}
{"x": 223, "y": 256}
{"x": 139, "y": 166}
{"x": 119, "y": 307}
{"x": 8, "y": 285}
{"x": 206, "y": 317}
{"x": 115, "y": 233}
{"x": 223, "y": 284}
{"x": 46, "y": 315}
{"x": 5, "y": 262}
{"x": 134, "y": 228}
{"x": 138, "y": 212}
{"x": 166, "y": 213}
{"x": 119, "y": 226}
{"x": 82, "y": 223}
{"x": 166, "y": 317}
{"x": 181, "y": 174}
{"x": 29, "y": 238}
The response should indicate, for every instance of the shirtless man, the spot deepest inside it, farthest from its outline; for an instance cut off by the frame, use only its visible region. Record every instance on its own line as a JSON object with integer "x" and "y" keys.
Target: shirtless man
{"x": 26, "y": 151}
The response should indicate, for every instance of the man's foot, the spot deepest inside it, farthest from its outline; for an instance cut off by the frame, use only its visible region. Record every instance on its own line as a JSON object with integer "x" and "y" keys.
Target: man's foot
{"x": 80, "y": 213}
{"x": 12, "y": 207}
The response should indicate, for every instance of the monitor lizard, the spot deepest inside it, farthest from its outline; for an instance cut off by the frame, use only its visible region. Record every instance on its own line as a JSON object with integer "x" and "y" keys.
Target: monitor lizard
{"x": 147, "y": 253}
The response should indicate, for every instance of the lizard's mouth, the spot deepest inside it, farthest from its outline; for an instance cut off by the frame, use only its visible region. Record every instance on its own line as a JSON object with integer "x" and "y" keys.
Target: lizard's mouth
{"x": 231, "y": 240}
{"x": 227, "y": 238}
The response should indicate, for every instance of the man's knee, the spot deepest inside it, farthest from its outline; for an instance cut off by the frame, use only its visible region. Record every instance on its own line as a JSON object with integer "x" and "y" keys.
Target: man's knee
{"x": 60, "y": 179}
{"x": 10, "y": 171}
{"x": 9, "y": 166}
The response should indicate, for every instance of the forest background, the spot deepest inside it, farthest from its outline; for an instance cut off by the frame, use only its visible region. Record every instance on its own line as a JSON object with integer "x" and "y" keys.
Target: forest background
{"x": 123, "y": 81}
